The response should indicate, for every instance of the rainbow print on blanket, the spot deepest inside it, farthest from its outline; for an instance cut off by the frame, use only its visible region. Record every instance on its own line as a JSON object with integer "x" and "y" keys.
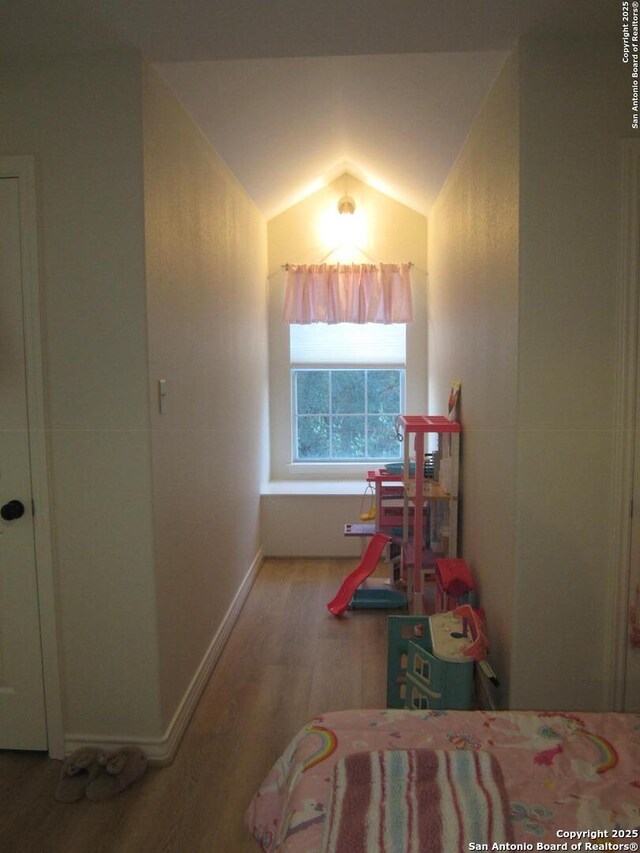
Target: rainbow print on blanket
{"x": 416, "y": 801}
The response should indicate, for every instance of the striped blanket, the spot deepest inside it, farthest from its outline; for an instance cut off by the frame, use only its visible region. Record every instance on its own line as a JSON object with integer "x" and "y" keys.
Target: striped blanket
{"x": 416, "y": 801}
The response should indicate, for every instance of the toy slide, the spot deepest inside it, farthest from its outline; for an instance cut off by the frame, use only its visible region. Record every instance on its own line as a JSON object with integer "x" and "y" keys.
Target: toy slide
{"x": 367, "y": 565}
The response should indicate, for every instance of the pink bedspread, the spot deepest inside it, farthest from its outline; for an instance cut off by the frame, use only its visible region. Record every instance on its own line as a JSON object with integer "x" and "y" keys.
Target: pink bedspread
{"x": 564, "y": 772}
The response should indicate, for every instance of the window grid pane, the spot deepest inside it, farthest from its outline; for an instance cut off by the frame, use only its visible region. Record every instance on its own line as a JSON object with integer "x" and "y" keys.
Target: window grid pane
{"x": 336, "y": 429}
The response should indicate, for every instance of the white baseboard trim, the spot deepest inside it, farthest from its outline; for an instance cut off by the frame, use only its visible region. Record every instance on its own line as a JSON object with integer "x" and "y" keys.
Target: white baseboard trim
{"x": 161, "y": 750}
{"x": 187, "y": 706}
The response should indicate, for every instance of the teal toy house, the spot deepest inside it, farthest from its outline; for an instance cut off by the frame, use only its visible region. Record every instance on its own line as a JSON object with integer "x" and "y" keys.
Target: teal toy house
{"x": 426, "y": 664}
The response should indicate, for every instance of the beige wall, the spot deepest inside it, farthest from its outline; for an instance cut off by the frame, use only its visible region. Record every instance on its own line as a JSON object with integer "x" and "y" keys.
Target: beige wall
{"x": 153, "y": 265}
{"x": 309, "y": 523}
{"x": 473, "y": 305}
{"x": 574, "y": 112}
{"x": 206, "y": 297}
{"x": 80, "y": 118}
{"x": 391, "y": 232}
{"x": 523, "y": 301}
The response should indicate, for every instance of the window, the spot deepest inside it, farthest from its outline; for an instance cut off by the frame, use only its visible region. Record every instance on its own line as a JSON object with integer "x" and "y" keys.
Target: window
{"x": 418, "y": 702}
{"x": 337, "y": 347}
{"x": 346, "y": 415}
{"x": 422, "y": 667}
{"x": 347, "y": 387}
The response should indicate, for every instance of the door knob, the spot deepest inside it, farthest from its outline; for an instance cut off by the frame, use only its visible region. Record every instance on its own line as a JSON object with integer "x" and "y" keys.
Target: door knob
{"x": 12, "y": 510}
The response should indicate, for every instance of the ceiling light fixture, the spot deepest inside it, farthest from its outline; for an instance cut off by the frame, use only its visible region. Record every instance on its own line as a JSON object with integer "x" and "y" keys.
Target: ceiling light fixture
{"x": 346, "y": 205}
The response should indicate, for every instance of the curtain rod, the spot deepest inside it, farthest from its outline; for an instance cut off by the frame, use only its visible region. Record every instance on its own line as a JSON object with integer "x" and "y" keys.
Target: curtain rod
{"x": 287, "y": 266}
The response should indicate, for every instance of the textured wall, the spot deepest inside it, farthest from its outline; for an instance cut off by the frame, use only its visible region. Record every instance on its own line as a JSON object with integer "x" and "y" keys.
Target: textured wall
{"x": 573, "y": 112}
{"x": 206, "y": 292}
{"x": 473, "y": 312}
{"x": 523, "y": 306}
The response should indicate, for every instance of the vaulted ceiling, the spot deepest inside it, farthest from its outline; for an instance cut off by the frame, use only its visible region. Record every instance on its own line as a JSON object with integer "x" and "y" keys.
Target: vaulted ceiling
{"x": 292, "y": 93}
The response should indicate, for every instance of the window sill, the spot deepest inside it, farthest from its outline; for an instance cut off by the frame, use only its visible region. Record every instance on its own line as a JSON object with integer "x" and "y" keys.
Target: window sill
{"x": 314, "y": 487}
{"x": 326, "y": 471}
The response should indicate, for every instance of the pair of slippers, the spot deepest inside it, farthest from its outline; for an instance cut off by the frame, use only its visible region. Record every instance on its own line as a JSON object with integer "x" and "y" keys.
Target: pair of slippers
{"x": 99, "y": 775}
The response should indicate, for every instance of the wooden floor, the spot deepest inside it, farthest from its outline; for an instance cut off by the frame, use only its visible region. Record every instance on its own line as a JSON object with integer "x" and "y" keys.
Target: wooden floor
{"x": 286, "y": 660}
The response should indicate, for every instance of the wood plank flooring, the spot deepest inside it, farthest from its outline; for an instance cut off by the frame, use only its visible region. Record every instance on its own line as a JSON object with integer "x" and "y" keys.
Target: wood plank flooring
{"x": 287, "y": 659}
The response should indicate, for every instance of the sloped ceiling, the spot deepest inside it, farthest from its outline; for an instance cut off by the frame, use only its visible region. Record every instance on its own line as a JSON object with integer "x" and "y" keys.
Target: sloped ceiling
{"x": 286, "y": 126}
{"x": 292, "y": 93}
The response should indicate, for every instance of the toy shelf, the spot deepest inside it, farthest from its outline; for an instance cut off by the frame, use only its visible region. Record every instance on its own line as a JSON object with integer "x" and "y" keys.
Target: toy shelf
{"x": 430, "y": 491}
{"x": 420, "y": 424}
{"x": 428, "y": 499}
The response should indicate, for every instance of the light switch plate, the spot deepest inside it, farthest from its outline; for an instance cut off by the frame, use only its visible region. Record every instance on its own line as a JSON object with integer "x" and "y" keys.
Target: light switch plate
{"x": 162, "y": 396}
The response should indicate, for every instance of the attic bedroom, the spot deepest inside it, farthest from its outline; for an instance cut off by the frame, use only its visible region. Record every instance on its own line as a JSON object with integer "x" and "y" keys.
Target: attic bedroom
{"x": 158, "y": 187}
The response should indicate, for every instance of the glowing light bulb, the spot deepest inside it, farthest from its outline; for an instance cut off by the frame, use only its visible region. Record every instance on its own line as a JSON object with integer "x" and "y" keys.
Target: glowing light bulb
{"x": 343, "y": 231}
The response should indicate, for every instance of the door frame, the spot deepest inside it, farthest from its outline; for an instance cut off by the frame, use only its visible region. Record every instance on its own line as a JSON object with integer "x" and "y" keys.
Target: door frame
{"x": 626, "y": 392}
{"x": 23, "y": 168}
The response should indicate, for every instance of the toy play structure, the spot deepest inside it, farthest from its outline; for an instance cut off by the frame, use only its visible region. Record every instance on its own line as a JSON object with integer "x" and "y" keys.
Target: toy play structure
{"x": 414, "y": 504}
{"x": 353, "y": 594}
{"x": 430, "y": 505}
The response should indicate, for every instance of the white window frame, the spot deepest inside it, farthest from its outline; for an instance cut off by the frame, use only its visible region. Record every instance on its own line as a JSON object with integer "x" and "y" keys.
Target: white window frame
{"x": 343, "y": 366}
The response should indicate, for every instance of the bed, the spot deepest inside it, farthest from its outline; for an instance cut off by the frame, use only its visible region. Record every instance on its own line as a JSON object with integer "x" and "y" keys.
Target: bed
{"x": 543, "y": 778}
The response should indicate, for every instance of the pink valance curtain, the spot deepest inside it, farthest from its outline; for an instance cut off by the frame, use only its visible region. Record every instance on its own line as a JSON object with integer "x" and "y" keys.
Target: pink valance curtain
{"x": 349, "y": 293}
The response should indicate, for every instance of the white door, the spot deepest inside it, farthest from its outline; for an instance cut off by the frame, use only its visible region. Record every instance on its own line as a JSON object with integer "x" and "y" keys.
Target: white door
{"x": 22, "y": 697}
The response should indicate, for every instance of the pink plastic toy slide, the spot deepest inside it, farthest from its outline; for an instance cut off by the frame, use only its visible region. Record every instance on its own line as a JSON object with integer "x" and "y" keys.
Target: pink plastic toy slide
{"x": 367, "y": 565}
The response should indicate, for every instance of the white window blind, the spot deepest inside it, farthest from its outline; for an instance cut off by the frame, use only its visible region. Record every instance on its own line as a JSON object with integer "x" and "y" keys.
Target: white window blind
{"x": 348, "y": 343}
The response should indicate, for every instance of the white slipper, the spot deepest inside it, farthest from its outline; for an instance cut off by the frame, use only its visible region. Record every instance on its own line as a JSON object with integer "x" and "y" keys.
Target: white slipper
{"x": 120, "y": 768}
{"x": 78, "y": 770}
